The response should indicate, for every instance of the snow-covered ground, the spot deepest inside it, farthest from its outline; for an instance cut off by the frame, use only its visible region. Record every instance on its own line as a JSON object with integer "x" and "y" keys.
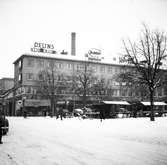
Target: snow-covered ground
{"x": 47, "y": 141}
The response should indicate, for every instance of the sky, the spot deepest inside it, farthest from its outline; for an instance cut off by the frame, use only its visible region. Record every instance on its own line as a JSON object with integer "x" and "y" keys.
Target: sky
{"x": 100, "y": 24}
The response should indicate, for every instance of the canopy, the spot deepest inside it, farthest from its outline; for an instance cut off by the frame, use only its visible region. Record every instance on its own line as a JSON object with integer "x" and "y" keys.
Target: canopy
{"x": 147, "y": 103}
{"x": 116, "y": 102}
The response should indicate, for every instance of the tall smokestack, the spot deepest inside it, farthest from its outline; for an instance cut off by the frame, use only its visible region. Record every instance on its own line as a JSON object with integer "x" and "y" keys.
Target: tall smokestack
{"x": 73, "y": 42}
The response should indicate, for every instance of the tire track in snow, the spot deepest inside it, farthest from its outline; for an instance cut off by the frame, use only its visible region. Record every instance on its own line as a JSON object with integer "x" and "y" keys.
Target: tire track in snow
{"x": 7, "y": 159}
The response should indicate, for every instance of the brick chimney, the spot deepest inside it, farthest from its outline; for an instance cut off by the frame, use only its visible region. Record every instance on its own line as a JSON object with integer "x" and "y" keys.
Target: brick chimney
{"x": 73, "y": 42}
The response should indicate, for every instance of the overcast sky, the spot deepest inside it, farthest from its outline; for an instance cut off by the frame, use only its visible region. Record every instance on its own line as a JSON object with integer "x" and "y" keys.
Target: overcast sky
{"x": 98, "y": 24}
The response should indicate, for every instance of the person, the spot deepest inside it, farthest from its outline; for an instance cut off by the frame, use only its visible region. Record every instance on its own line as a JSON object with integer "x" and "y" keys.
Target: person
{"x": 102, "y": 115}
{"x": 25, "y": 114}
{"x": 1, "y": 125}
{"x": 61, "y": 113}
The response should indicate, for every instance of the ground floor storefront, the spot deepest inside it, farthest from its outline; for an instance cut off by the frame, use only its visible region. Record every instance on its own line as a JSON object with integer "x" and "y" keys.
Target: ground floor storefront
{"x": 110, "y": 109}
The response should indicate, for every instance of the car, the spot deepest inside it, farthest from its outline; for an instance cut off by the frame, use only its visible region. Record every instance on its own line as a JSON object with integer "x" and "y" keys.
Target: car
{"x": 5, "y": 125}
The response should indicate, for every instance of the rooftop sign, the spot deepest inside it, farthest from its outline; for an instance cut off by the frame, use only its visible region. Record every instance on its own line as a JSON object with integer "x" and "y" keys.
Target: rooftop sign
{"x": 43, "y": 48}
{"x": 94, "y": 55}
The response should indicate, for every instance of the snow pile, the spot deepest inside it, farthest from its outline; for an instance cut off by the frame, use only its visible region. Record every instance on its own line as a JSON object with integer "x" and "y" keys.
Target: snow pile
{"x": 73, "y": 141}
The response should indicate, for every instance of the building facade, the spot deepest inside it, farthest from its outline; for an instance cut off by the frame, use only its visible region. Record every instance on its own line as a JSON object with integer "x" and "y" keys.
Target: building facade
{"x": 6, "y": 84}
{"x": 27, "y": 75}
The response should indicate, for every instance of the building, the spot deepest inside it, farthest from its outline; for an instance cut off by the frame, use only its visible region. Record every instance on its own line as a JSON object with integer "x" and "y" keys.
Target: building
{"x": 6, "y": 84}
{"x": 27, "y": 74}
{"x": 104, "y": 85}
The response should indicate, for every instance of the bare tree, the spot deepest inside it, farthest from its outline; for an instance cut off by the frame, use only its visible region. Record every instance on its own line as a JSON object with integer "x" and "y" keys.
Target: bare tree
{"x": 50, "y": 84}
{"x": 99, "y": 89}
{"x": 83, "y": 81}
{"x": 147, "y": 56}
{"x": 131, "y": 81}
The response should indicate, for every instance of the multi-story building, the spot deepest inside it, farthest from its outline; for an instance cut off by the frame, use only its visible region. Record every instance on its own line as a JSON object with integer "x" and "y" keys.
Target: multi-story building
{"x": 27, "y": 73}
{"x": 6, "y": 84}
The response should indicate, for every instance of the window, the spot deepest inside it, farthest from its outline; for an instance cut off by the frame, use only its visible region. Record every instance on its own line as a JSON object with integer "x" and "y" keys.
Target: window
{"x": 40, "y": 76}
{"x": 20, "y": 77}
{"x": 29, "y": 76}
{"x": 79, "y": 67}
{"x": 30, "y": 62}
{"x": 115, "y": 92}
{"x": 20, "y": 64}
{"x": 159, "y": 91}
{"x": 69, "y": 66}
{"x": 110, "y": 69}
{"x": 60, "y": 65}
{"x": 116, "y": 83}
{"x": 41, "y": 63}
{"x": 102, "y": 69}
{"x": 28, "y": 90}
{"x": 117, "y": 70}
{"x": 124, "y": 92}
{"x": 94, "y": 68}
{"x": 123, "y": 83}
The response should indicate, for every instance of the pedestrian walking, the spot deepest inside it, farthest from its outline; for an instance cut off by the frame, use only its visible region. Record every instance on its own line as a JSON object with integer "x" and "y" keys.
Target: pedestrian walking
{"x": 102, "y": 115}
{"x": 61, "y": 113}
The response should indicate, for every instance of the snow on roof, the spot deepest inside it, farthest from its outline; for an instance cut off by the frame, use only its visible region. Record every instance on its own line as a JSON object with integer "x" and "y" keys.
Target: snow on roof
{"x": 108, "y": 61}
{"x": 155, "y": 103}
{"x": 116, "y": 102}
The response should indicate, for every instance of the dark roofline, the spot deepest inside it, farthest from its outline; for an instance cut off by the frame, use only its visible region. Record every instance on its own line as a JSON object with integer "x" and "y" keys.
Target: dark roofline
{"x": 57, "y": 58}
{"x": 7, "y": 78}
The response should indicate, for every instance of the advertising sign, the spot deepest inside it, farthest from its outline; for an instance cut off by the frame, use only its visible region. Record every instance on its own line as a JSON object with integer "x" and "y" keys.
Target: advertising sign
{"x": 94, "y": 55}
{"x": 43, "y": 48}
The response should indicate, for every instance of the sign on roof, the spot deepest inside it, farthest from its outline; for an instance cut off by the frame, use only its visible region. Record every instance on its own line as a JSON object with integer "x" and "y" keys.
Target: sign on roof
{"x": 94, "y": 55}
{"x": 43, "y": 48}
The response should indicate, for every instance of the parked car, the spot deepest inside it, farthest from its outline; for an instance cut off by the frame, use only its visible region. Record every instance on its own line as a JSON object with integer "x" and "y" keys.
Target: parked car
{"x": 5, "y": 125}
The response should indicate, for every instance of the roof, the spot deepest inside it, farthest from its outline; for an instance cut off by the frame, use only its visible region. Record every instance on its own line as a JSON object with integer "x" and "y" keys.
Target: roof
{"x": 67, "y": 58}
{"x": 147, "y": 103}
{"x": 116, "y": 102}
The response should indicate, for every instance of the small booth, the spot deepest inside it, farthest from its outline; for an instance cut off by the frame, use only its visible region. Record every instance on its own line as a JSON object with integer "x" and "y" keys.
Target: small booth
{"x": 159, "y": 108}
{"x": 113, "y": 109}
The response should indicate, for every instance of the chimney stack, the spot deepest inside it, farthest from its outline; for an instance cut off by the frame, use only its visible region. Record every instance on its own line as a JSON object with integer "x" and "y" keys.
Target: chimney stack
{"x": 73, "y": 42}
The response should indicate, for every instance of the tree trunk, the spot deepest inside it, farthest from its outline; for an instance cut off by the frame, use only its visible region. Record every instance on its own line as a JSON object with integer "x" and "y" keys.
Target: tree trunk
{"x": 152, "y": 117}
{"x": 84, "y": 100}
{"x": 52, "y": 107}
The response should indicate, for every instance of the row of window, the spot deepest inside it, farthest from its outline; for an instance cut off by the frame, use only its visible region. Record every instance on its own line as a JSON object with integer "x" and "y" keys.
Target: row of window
{"x": 109, "y": 92}
{"x": 70, "y": 66}
{"x": 115, "y": 92}
{"x": 31, "y": 76}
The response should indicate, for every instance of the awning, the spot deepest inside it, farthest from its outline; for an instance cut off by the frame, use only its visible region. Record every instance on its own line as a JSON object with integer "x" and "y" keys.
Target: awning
{"x": 147, "y": 103}
{"x": 116, "y": 102}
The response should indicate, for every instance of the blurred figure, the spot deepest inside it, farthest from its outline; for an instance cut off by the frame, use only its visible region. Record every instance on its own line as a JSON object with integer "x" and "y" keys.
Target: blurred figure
{"x": 1, "y": 124}
{"x": 61, "y": 113}
{"x": 102, "y": 115}
{"x": 25, "y": 114}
